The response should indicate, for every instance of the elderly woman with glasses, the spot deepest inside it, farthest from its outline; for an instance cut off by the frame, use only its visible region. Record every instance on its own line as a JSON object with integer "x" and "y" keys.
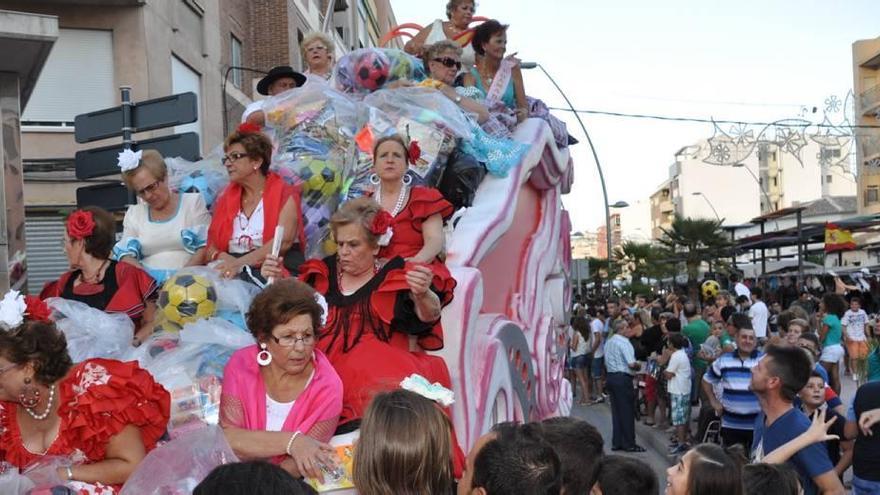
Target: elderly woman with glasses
{"x": 317, "y": 54}
{"x": 161, "y": 233}
{"x": 281, "y": 398}
{"x": 248, "y": 211}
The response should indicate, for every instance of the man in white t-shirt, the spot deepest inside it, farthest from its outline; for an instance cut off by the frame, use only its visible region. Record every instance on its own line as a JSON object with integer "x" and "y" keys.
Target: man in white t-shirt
{"x": 739, "y": 288}
{"x": 597, "y": 328}
{"x": 759, "y": 314}
{"x": 278, "y": 80}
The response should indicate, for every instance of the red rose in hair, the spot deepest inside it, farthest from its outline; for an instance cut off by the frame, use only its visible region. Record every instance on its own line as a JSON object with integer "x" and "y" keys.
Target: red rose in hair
{"x": 37, "y": 310}
{"x": 249, "y": 128}
{"x": 80, "y": 224}
{"x": 414, "y": 152}
{"x": 381, "y": 223}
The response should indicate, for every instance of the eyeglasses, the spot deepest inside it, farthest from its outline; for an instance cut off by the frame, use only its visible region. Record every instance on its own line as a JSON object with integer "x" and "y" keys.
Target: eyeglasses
{"x": 231, "y": 157}
{"x": 291, "y": 340}
{"x": 149, "y": 189}
{"x": 316, "y": 48}
{"x": 448, "y": 62}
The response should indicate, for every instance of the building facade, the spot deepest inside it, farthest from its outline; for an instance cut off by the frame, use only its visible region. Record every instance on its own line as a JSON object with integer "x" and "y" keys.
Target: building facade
{"x": 767, "y": 180}
{"x": 158, "y": 48}
{"x": 866, "y": 86}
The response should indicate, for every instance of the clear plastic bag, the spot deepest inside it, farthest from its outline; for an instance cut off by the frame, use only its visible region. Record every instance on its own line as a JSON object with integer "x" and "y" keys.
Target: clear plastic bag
{"x": 207, "y": 176}
{"x": 232, "y": 295}
{"x": 12, "y": 482}
{"x": 369, "y": 69}
{"x": 91, "y": 333}
{"x": 420, "y": 114}
{"x": 181, "y": 464}
{"x": 314, "y": 130}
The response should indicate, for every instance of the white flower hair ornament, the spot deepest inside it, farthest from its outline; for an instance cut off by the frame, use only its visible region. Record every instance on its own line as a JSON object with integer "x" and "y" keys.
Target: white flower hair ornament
{"x": 128, "y": 160}
{"x": 433, "y": 391}
{"x": 12, "y": 310}
{"x": 323, "y": 303}
{"x": 385, "y": 239}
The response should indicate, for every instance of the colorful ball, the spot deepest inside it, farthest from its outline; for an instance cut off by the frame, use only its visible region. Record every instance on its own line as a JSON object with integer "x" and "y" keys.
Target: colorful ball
{"x": 371, "y": 70}
{"x": 186, "y": 297}
{"x": 710, "y": 289}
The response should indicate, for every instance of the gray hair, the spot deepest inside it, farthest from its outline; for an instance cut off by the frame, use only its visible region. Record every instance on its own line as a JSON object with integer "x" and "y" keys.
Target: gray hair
{"x": 452, "y": 4}
{"x": 433, "y": 51}
{"x": 316, "y": 36}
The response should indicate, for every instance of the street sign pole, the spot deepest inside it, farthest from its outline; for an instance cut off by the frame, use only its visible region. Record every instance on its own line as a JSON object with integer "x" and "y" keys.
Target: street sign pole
{"x": 126, "y": 127}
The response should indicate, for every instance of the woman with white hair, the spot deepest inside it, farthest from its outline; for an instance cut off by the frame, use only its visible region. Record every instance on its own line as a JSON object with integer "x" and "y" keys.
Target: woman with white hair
{"x": 317, "y": 54}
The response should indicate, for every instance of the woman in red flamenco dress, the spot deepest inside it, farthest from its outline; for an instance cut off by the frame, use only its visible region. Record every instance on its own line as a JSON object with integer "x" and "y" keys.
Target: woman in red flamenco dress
{"x": 418, "y": 213}
{"x": 102, "y": 415}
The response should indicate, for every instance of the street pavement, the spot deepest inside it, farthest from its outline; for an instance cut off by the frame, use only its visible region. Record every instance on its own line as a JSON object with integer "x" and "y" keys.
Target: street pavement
{"x": 656, "y": 441}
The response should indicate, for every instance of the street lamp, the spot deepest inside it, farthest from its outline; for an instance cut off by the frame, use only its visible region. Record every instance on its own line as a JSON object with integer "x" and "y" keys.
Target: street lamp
{"x": 698, "y": 193}
{"x": 532, "y": 65}
{"x": 760, "y": 185}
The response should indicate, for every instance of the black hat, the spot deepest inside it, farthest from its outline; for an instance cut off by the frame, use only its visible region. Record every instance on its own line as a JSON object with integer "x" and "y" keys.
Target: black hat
{"x": 277, "y": 73}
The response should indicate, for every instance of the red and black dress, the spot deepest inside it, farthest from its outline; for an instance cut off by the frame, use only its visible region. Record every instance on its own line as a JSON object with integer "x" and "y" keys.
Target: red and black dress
{"x": 98, "y": 398}
{"x": 124, "y": 289}
{"x": 408, "y": 240}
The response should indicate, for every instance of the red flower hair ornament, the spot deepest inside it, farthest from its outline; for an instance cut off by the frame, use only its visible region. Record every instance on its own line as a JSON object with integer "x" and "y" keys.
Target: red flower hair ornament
{"x": 80, "y": 224}
{"x": 381, "y": 227}
{"x": 249, "y": 128}
{"x": 37, "y": 309}
{"x": 414, "y": 152}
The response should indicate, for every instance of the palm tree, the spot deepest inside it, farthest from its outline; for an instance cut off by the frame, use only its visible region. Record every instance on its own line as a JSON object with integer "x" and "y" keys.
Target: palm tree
{"x": 637, "y": 259}
{"x": 695, "y": 241}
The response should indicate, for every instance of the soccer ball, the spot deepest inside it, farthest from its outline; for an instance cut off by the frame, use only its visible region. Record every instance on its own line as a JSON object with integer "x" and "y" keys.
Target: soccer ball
{"x": 321, "y": 181}
{"x": 371, "y": 70}
{"x": 710, "y": 289}
{"x": 186, "y": 297}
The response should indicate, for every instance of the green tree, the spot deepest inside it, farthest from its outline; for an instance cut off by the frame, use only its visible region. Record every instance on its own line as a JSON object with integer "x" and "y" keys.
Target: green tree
{"x": 695, "y": 241}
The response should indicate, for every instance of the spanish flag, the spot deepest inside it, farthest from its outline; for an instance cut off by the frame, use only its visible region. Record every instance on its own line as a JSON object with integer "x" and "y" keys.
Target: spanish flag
{"x": 838, "y": 239}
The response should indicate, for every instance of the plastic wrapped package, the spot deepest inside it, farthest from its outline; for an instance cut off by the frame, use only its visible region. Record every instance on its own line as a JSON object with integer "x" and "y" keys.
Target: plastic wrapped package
{"x": 369, "y": 69}
{"x": 90, "y": 332}
{"x": 177, "y": 467}
{"x": 12, "y": 482}
{"x": 229, "y": 299}
{"x": 158, "y": 343}
{"x": 420, "y": 114}
{"x": 207, "y": 176}
{"x": 314, "y": 128}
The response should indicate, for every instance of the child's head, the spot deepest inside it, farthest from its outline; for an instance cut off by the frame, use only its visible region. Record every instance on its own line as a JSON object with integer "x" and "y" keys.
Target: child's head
{"x": 855, "y": 304}
{"x": 619, "y": 475}
{"x": 251, "y": 478}
{"x": 512, "y": 460}
{"x": 579, "y": 446}
{"x": 778, "y": 479}
{"x": 718, "y": 328}
{"x": 707, "y": 468}
{"x": 405, "y": 446}
{"x": 813, "y": 393}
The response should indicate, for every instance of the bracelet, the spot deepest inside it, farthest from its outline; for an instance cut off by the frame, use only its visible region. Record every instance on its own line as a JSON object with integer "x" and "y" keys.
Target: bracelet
{"x": 290, "y": 442}
{"x": 69, "y": 473}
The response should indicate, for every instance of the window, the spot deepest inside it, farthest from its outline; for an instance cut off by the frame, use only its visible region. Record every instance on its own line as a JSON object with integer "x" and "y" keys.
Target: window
{"x": 235, "y": 60}
{"x": 775, "y": 181}
{"x": 829, "y": 153}
{"x": 184, "y": 79}
{"x": 872, "y": 195}
{"x": 77, "y": 78}
{"x": 828, "y": 179}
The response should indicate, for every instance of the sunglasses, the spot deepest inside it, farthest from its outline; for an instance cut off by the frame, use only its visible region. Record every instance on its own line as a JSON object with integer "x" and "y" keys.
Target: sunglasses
{"x": 448, "y": 62}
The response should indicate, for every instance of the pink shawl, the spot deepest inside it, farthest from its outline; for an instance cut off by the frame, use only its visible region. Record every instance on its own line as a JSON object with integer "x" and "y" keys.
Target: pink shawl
{"x": 321, "y": 400}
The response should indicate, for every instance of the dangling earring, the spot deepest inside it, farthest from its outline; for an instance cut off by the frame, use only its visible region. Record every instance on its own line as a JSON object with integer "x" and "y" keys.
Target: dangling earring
{"x": 374, "y": 179}
{"x": 264, "y": 357}
{"x": 29, "y": 396}
{"x": 407, "y": 179}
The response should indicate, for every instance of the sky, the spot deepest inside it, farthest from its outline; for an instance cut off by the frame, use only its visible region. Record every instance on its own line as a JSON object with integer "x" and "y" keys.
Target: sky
{"x": 750, "y": 60}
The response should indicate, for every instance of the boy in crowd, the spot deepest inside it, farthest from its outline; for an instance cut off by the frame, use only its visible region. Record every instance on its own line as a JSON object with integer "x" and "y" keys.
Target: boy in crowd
{"x": 579, "y": 446}
{"x": 678, "y": 376}
{"x": 854, "y": 320}
{"x": 619, "y": 475}
{"x": 812, "y": 399}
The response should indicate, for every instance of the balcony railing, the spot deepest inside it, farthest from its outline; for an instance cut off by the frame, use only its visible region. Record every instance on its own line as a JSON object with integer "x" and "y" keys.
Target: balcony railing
{"x": 870, "y": 148}
{"x": 869, "y": 101}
